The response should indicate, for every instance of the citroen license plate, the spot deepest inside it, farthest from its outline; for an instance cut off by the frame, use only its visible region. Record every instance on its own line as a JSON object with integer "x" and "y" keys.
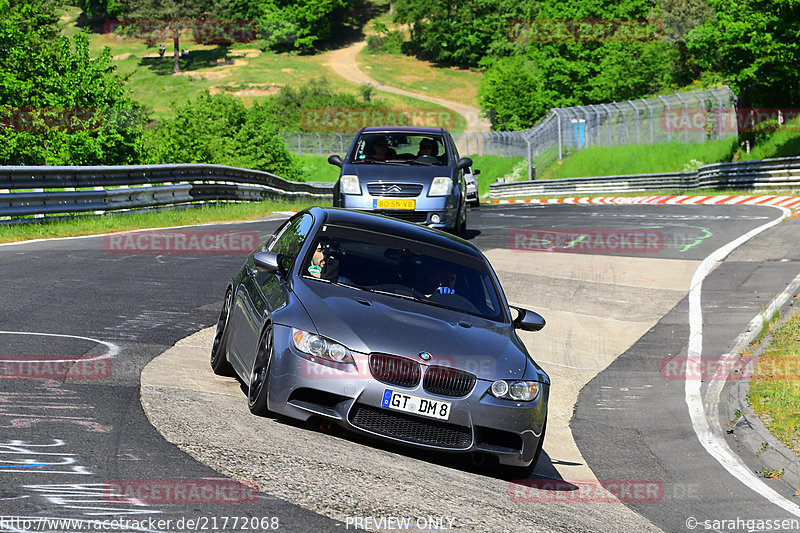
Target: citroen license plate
{"x": 400, "y": 401}
{"x": 394, "y": 204}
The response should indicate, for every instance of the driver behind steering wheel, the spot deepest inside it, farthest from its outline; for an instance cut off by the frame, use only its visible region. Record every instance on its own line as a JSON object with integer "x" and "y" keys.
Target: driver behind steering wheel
{"x": 427, "y": 147}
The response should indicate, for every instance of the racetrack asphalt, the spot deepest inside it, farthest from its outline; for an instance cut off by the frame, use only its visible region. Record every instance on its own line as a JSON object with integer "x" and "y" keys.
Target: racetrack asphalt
{"x": 145, "y": 303}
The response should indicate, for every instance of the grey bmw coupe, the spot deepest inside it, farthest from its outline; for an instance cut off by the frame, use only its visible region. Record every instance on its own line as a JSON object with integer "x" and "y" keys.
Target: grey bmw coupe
{"x": 387, "y": 329}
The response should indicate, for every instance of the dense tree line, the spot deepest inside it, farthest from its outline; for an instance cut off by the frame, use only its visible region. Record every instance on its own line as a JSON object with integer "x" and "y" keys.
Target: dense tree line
{"x": 553, "y": 53}
{"x": 280, "y": 24}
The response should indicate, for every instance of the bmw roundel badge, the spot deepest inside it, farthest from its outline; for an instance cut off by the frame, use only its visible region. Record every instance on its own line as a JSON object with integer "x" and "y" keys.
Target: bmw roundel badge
{"x": 425, "y": 356}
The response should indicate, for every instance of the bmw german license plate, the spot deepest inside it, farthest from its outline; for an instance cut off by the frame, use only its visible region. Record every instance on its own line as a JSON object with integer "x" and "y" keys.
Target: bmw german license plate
{"x": 394, "y": 204}
{"x": 400, "y": 401}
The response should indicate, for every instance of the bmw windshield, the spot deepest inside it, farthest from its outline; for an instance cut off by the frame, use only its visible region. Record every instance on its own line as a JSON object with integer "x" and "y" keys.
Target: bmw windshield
{"x": 398, "y": 267}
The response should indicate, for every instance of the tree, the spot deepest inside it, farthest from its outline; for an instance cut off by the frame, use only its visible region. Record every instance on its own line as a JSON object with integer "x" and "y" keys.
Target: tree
{"x": 60, "y": 105}
{"x": 218, "y": 129}
{"x": 174, "y": 14}
{"x": 754, "y": 44}
{"x": 512, "y": 94}
{"x": 461, "y": 34}
{"x": 291, "y": 25}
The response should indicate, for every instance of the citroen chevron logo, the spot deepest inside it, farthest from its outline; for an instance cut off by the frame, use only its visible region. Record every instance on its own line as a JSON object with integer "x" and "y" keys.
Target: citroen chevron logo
{"x": 394, "y": 189}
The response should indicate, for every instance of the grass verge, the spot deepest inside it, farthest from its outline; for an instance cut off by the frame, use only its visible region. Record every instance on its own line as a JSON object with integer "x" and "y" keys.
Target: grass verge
{"x": 775, "y": 384}
{"x": 92, "y": 225}
{"x": 783, "y": 143}
{"x": 495, "y": 166}
{"x": 640, "y": 159}
{"x": 415, "y": 75}
{"x": 317, "y": 168}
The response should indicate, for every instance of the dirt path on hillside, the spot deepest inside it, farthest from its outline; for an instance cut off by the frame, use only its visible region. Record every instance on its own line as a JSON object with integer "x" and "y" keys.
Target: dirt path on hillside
{"x": 343, "y": 63}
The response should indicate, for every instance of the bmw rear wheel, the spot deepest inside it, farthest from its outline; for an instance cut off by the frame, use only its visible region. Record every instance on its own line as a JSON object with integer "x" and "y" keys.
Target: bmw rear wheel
{"x": 259, "y": 375}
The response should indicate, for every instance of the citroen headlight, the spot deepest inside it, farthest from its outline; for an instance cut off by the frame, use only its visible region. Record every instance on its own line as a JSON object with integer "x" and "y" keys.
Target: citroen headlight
{"x": 348, "y": 184}
{"x": 319, "y": 346}
{"x": 520, "y": 391}
{"x": 441, "y": 187}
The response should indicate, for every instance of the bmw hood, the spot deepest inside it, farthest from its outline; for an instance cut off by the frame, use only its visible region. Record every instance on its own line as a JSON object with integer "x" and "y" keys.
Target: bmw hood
{"x": 370, "y": 323}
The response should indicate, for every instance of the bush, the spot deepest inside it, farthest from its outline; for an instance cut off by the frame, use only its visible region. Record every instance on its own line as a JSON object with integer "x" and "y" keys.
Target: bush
{"x": 512, "y": 94}
{"x": 219, "y": 130}
{"x": 389, "y": 42}
{"x": 60, "y": 105}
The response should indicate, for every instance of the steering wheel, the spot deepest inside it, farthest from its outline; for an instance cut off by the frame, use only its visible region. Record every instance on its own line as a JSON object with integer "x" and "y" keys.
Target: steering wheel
{"x": 427, "y": 159}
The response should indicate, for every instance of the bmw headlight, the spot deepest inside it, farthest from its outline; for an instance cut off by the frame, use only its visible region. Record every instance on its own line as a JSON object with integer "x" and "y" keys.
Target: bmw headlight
{"x": 441, "y": 187}
{"x": 520, "y": 391}
{"x": 348, "y": 184}
{"x": 321, "y": 347}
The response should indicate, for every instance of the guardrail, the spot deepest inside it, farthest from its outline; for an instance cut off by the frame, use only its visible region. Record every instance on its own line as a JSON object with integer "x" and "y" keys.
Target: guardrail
{"x": 26, "y": 191}
{"x": 760, "y": 175}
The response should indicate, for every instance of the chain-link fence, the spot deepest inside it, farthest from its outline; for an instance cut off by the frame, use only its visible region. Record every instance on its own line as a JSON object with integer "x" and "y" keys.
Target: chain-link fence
{"x": 691, "y": 117}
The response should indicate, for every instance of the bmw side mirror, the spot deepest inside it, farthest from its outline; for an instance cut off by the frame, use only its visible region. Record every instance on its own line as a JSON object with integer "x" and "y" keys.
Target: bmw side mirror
{"x": 464, "y": 162}
{"x": 528, "y": 320}
{"x": 335, "y": 160}
{"x": 268, "y": 262}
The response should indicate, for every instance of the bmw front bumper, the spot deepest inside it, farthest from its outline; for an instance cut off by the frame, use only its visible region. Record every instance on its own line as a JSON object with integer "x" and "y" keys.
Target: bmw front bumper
{"x": 478, "y": 422}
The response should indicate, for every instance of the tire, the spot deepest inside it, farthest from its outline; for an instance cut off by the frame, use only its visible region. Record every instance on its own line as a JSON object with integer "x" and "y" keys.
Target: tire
{"x": 219, "y": 361}
{"x": 259, "y": 375}
{"x": 461, "y": 228}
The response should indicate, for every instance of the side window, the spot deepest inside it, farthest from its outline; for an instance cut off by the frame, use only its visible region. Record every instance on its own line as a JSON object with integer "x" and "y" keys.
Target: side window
{"x": 291, "y": 237}
{"x": 456, "y": 157}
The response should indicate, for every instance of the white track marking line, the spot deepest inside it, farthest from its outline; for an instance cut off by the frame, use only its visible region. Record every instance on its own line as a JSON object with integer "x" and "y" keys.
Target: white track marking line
{"x": 113, "y": 349}
{"x": 710, "y": 434}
